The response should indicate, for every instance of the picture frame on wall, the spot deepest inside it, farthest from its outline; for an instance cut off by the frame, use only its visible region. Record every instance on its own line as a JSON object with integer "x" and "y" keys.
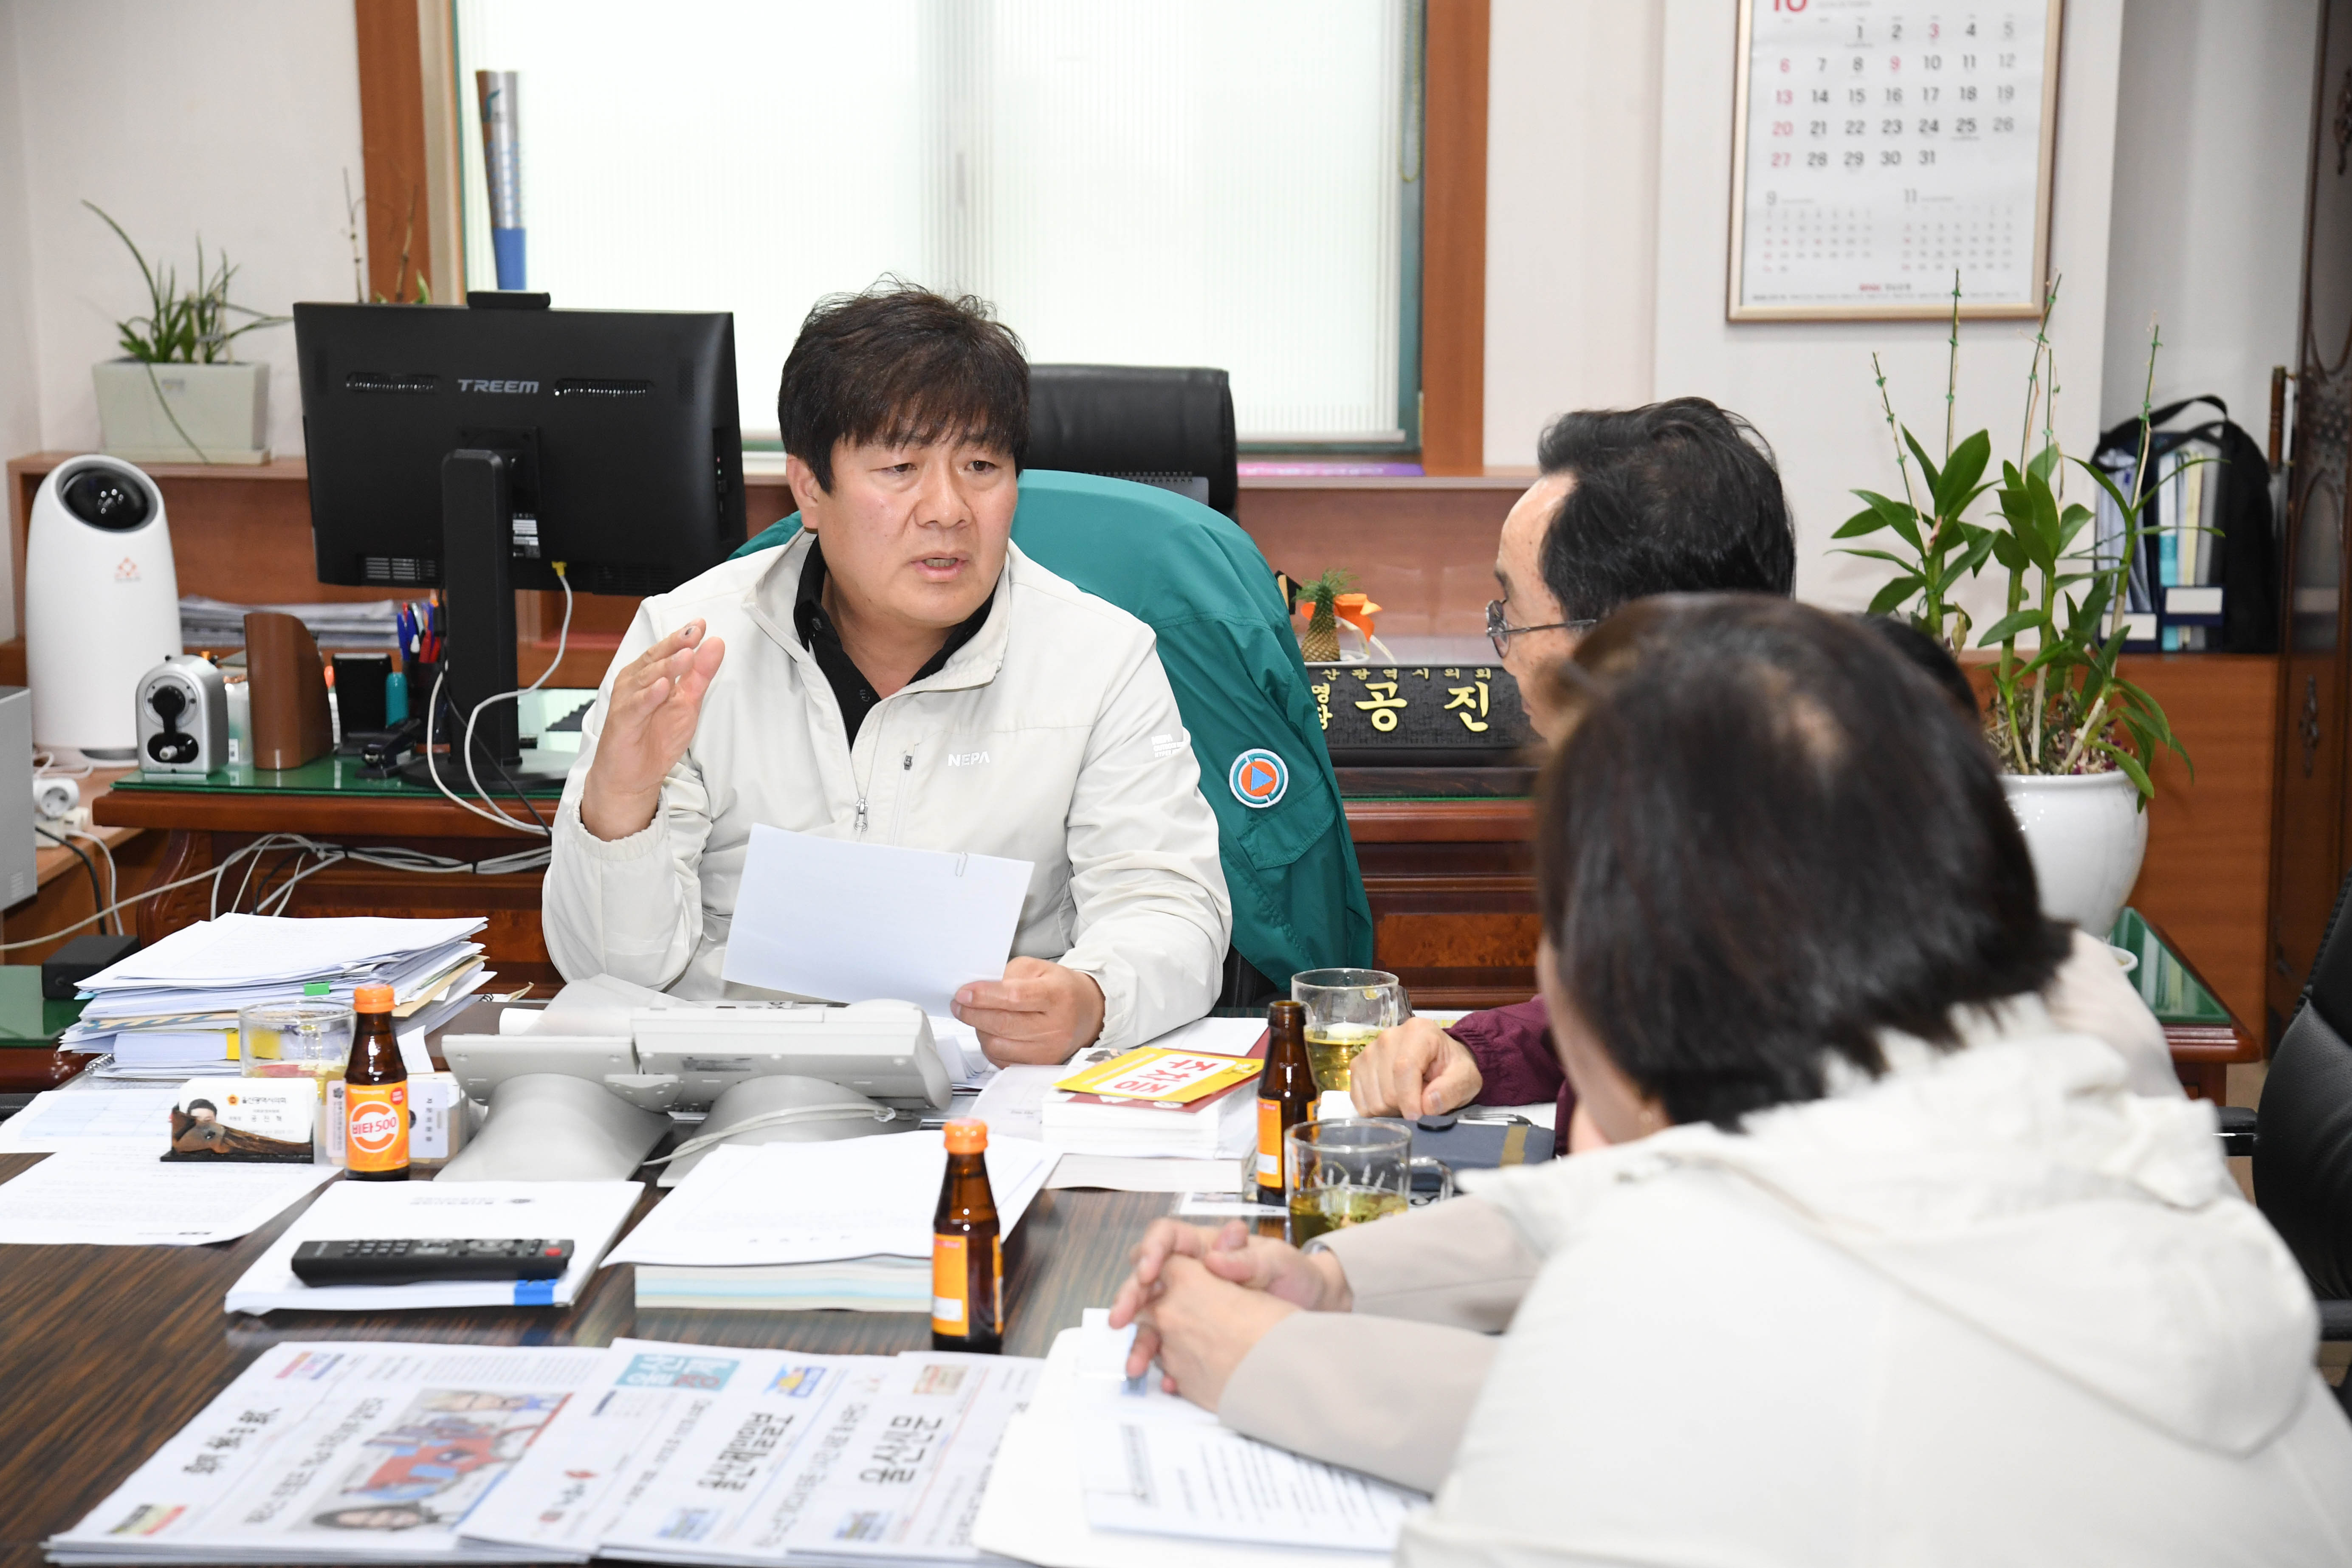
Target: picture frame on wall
{"x": 1879, "y": 147}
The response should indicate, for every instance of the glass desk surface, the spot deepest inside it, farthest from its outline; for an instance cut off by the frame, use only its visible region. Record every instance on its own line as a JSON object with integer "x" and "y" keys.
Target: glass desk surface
{"x": 325, "y": 775}
{"x": 2166, "y": 983}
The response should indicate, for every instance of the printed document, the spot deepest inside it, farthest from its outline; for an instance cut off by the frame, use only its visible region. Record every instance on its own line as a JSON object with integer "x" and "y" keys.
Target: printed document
{"x": 119, "y": 1198}
{"x": 813, "y": 1203}
{"x": 93, "y": 1112}
{"x": 841, "y": 922}
{"x": 337, "y": 1452}
{"x": 586, "y": 1214}
{"x": 1057, "y": 1496}
{"x": 701, "y": 1454}
{"x": 671, "y": 1432}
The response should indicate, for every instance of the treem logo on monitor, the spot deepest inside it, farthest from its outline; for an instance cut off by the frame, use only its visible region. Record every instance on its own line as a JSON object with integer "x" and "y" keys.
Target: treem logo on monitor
{"x": 476, "y": 384}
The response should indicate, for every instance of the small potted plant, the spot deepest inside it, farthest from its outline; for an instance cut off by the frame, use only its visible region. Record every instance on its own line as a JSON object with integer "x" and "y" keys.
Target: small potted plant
{"x": 2074, "y": 738}
{"x": 179, "y": 394}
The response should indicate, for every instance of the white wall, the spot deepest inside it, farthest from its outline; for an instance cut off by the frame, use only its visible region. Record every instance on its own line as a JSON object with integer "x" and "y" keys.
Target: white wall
{"x": 20, "y": 403}
{"x": 2212, "y": 139}
{"x": 230, "y": 119}
{"x": 1808, "y": 385}
{"x": 1571, "y": 212}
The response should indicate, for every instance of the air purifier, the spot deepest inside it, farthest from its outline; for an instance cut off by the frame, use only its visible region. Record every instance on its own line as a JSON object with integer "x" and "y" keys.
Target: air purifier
{"x": 101, "y": 605}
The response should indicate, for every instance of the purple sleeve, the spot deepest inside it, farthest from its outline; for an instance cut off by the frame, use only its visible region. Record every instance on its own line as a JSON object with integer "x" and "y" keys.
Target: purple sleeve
{"x": 1512, "y": 1046}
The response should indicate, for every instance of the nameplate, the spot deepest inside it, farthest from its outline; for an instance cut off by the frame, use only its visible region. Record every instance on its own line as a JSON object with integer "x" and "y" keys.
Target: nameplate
{"x": 1412, "y": 709}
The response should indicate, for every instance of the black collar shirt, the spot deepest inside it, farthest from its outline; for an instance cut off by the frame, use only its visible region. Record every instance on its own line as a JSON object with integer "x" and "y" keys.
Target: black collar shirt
{"x": 822, "y": 640}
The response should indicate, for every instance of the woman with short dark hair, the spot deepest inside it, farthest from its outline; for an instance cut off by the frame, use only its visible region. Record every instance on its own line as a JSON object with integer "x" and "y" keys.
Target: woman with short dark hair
{"x": 1880, "y": 1264}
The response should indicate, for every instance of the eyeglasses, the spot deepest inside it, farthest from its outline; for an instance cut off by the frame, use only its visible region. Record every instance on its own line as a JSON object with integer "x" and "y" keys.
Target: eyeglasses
{"x": 1500, "y": 634}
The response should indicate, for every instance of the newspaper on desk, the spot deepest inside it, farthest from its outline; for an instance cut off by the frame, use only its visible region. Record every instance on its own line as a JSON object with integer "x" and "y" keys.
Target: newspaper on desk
{"x": 696, "y": 1454}
{"x": 354, "y": 1452}
{"x": 344, "y": 1452}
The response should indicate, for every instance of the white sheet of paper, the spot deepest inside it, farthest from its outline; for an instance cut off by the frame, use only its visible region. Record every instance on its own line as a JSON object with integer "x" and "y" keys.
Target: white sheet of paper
{"x": 1039, "y": 1509}
{"x": 93, "y": 1112}
{"x": 1128, "y": 1174}
{"x": 1169, "y": 1478}
{"x": 812, "y": 1203}
{"x": 586, "y": 1214}
{"x": 116, "y": 1198}
{"x": 238, "y": 948}
{"x": 839, "y": 921}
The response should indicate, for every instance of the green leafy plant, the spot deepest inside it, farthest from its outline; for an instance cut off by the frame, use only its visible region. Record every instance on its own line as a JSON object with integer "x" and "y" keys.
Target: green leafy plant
{"x": 2060, "y": 706}
{"x": 185, "y": 325}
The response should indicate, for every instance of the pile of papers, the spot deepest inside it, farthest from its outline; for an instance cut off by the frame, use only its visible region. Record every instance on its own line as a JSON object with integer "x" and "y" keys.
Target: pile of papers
{"x": 169, "y": 1010}
{"x": 359, "y": 624}
{"x": 856, "y": 1232}
{"x": 1136, "y": 1147}
{"x": 1100, "y": 1471}
{"x": 351, "y": 1452}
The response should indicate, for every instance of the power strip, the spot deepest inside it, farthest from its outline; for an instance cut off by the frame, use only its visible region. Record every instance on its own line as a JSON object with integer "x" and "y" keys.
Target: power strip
{"x": 74, "y": 821}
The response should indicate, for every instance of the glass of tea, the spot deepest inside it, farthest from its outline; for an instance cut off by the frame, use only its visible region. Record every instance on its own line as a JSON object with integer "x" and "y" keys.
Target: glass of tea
{"x": 1351, "y": 1171}
{"x": 309, "y": 1037}
{"x": 1346, "y": 1011}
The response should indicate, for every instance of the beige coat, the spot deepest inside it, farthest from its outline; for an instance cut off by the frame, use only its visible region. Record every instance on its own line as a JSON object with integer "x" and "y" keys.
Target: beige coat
{"x": 1051, "y": 737}
{"x": 1387, "y": 1389}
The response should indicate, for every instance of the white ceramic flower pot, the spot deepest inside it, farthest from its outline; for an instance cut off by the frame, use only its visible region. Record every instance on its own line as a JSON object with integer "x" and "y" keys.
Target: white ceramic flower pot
{"x": 183, "y": 413}
{"x": 2087, "y": 836}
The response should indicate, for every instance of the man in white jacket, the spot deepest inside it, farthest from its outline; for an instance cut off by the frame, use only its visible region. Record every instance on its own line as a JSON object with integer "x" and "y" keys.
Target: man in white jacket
{"x": 900, "y": 673}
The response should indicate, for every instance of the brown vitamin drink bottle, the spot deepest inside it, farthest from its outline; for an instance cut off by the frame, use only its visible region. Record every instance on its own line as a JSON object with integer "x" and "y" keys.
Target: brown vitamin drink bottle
{"x": 1285, "y": 1093}
{"x": 375, "y": 1094}
{"x": 967, "y": 1250}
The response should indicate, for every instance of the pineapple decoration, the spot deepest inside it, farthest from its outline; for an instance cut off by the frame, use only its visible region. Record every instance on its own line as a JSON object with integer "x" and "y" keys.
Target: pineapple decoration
{"x": 1320, "y": 643}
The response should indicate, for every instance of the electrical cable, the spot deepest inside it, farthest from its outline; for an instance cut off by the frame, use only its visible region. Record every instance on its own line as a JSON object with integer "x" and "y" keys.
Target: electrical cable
{"x": 97, "y": 896}
{"x": 393, "y": 857}
{"x": 490, "y": 810}
{"x": 106, "y": 854}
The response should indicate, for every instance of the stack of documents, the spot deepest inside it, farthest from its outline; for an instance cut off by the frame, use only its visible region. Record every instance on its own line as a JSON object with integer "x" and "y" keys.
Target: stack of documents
{"x": 363, "y": 623}
{"x": 586, "y": 1214}
{"x": 1102, "y": 1472}
{"x": 1085, "y": 1114}
{"x": 169, "y": 1010}
{"x": 852, "y": 1230}
{"x": 351, "y": 1452}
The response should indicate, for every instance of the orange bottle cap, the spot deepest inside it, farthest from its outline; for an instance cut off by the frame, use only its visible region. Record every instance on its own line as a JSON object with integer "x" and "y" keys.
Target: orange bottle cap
{"x": 966, "y": 1136}
{"x": 371, "y": 999}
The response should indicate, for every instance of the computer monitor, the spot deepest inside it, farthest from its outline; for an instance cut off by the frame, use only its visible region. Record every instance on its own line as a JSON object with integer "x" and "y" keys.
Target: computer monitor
{"x": 467, "y": 448}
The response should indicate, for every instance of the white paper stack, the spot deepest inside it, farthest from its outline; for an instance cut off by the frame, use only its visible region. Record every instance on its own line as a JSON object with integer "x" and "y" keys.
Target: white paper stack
{"x": 780, "y": 1226}
{"x": 1224, "y": 1129}
{"x": 171, "y": 1009}
{"x": 339, "y": 1452}
{"x": 1100, "y": 1472}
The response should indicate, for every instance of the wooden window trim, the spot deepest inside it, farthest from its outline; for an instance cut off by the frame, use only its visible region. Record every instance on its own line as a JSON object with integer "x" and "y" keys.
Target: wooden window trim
{"x": 409, "y": 129}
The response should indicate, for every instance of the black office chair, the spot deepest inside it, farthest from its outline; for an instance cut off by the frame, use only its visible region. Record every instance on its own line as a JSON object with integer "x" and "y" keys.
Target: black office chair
{"x": 2301, "y": 1138}
{"x": 1171, "y": 426}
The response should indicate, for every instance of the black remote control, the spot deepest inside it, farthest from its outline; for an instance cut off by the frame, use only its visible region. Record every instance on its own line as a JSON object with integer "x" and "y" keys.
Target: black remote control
{"x": 415, "y": 1262}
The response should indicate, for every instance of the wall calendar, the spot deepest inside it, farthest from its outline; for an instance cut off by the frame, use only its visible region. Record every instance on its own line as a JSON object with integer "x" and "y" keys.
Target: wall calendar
{"x": 1880, "y": 145}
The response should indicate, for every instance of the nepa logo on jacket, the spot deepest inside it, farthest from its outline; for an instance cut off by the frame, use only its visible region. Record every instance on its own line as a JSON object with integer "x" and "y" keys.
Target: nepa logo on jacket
{"x": 1258, "y": 778}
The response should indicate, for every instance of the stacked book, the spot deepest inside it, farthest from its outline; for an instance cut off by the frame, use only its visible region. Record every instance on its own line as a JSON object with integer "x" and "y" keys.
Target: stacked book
{"x": 1192, "y": 1096}
{"x": 169, "y": 1009}
{"x": 856, "y": 1233}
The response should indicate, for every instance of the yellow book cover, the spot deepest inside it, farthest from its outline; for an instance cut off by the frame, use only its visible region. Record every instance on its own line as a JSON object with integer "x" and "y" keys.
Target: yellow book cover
{"x": 1170, "y": 1077}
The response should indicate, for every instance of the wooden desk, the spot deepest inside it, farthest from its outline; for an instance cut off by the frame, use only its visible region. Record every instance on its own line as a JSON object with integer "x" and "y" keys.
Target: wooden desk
{"x": 109, "y": 1350}
{"x": 64, "y": 894}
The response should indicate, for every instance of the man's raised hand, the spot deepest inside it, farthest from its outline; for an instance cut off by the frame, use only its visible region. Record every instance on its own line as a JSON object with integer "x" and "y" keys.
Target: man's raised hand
{"x": 657, "y": 703}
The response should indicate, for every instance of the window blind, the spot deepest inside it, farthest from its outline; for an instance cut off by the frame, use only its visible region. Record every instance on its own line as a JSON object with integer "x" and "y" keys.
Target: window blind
{"x": 1223, "y": 182}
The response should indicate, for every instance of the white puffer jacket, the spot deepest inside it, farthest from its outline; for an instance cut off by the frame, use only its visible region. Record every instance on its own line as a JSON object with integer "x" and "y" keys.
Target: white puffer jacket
{"x": 1991, "y": 1308}
{"x": 1051, "y": 737}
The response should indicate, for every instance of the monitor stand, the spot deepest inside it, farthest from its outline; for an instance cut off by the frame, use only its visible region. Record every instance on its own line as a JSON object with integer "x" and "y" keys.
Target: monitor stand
{"x": 478, "y": 609}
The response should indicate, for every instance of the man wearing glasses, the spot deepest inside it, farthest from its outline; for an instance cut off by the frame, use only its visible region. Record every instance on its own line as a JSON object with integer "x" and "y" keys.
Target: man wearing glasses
{"x": 1680, "y": 496}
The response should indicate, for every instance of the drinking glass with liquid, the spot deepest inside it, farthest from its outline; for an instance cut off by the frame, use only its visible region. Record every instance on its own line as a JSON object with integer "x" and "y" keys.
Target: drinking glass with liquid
{"x": 1346, "y": 1011}
{"x": 1352, "y": 1170}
